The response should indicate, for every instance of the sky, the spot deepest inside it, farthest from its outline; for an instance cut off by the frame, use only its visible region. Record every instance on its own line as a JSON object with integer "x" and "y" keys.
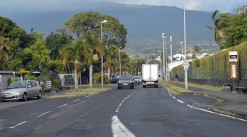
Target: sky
{"x": 199, "y": 5}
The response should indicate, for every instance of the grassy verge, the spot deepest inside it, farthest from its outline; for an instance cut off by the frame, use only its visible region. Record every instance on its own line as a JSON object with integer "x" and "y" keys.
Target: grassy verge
{"x": 174, "y": 89}
{"x": 79, "y": 92}
{"x": 206, "y": 87}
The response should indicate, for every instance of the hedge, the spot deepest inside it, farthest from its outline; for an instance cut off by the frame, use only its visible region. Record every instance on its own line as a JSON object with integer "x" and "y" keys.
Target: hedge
{"x": 216, "y": 66}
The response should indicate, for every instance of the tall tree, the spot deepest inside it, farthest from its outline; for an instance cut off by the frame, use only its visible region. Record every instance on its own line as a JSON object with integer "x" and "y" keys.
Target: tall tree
{"x": 96, "y": 48}
{"x": 114, "y": 33}
{"x": 4, "y": 49}
{"x": 110, "y": 55}
{"x": 77, "y": 53}
{"x": 218, "y": 33}
{"x": 56, "y": 40}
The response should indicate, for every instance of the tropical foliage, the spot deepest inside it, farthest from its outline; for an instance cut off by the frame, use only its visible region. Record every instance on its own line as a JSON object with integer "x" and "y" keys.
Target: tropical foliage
{"x": 230, "y": 29}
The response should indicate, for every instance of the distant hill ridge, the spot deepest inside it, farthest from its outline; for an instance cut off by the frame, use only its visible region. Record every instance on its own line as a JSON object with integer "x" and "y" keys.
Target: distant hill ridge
{"x": 145, "y": 23}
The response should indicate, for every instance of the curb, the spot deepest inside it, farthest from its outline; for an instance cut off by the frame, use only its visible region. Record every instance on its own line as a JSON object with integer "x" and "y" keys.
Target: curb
{"x": 217, "y": 105}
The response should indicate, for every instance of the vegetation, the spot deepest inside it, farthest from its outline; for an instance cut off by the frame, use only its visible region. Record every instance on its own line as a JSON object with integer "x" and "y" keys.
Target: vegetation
{"x": 63, "y": 52}
{"x": 217, "y": 66}
{"x": 230, "y": 29}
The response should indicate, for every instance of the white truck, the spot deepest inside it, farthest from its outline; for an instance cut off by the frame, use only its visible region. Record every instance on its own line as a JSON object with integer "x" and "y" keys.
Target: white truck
{"x": 150, "y": 75}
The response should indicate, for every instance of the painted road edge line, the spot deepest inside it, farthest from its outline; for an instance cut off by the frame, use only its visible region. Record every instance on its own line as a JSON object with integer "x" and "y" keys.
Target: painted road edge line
{"x": 18, "y": 124}
{"x": 63, "y": 106}
{"x": 125, "y": 100}
{"x": 217, "y": 113}
{"x": 180, "y": 101}
{"x": 76, "y": 100}
{"x": 119, "y": 130}
{"x": 44, "y": 114}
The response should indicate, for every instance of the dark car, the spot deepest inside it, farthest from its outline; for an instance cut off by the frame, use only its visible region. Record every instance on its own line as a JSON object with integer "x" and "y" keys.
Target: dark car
{"x": 125, "y": 81}
{"x": 137, "y": 79}
{"x": 114, "y": 79}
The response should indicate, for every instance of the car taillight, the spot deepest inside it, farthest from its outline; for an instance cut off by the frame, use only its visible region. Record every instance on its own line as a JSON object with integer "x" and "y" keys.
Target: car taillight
{"x": 144, "y": 82}
{"x": 156, "y": 82}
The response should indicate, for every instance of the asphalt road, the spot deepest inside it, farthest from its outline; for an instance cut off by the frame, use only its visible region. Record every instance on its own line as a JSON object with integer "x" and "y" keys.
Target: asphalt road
{"x": 140, "y": 112}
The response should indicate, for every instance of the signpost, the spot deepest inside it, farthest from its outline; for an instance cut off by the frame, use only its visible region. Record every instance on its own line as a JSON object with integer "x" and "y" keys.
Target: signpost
{"x": 186, "y": 65}
{"x": 233, "y": 59}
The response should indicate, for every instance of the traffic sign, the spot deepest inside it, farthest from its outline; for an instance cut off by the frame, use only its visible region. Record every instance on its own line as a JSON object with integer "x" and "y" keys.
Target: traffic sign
{"x": 233, "y": 56}
{"x": 186, "y": 64}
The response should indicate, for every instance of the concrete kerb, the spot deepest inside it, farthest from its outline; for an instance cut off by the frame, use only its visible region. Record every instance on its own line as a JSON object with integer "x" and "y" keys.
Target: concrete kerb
{"x": 217, "y": 107}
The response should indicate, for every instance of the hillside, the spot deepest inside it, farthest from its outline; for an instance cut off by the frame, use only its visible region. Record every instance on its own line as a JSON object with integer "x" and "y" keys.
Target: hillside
{"x": 144, "y": 23}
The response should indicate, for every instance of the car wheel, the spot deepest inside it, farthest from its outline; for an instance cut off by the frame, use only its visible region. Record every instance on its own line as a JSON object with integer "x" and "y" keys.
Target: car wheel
{"x": 40, "y": 95}
{"x": 25, "y": 97}
{"x": 144, "y": 86}
{"x": 119, "y": 87}
{"x": 132, "y": 87}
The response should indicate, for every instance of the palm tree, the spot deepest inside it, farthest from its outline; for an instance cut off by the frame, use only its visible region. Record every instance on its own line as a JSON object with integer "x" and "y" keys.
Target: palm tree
{"x": 110, "y": 55}
{"x": 218, "y": 32}
{"x": 95, "y": 48}
{"x": 77, "y": 52}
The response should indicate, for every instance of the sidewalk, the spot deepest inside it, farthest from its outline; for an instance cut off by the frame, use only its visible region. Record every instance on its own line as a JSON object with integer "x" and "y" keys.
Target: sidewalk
{"x": 233, "y": 102}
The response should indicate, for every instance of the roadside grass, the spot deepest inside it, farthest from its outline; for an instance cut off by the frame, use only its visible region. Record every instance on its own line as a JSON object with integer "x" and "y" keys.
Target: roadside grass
{"x": 206, "y": 87}
{"x": 79, "y": 92}
{"x": 174, "y": 89}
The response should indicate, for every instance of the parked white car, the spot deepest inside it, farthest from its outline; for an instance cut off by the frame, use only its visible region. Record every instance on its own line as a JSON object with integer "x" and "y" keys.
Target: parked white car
{"x": 22, "y": 90}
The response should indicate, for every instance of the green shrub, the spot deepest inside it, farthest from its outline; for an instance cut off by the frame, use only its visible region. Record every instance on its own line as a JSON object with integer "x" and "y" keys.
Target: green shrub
{"x": 97, "y": 79}
{"x": 12, "y": 79}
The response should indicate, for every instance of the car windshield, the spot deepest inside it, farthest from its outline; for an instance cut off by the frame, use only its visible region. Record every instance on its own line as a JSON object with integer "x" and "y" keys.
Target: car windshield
{"x": 137, "y": 77}
{"x": 17, "y": 84}
{"x": 125, "y": 78}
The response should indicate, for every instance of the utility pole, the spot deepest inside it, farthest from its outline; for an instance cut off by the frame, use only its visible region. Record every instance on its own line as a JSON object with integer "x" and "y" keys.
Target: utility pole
{"x": 171, "y": 49}
{"x": 185, "y": 68}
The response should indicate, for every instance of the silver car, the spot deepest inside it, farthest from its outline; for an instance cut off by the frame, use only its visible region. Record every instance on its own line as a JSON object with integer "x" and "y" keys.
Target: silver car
{"x": 22, "y": 90}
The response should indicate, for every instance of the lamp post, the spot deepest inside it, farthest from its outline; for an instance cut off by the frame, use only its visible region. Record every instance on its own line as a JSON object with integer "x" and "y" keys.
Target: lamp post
{"x": 160, "y": 62}
{"x": 182, "y": 44}
{"x": 163, "y": 58}
{"x": 120, "y": 61}
{"x": 186, "y": 69}
{"x": 171, "y": 49}
{"x": 102, "y": 68}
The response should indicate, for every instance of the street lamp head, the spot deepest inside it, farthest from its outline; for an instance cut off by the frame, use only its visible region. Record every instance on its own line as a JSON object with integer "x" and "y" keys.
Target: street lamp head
{"x": 103, "y": 22}
{"x": 163, "y": 35}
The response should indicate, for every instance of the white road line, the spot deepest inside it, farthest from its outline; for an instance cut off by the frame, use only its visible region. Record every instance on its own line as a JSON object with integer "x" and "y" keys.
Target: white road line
{"x": 124, "y": 101}
{"x": 217, "y": 113}
{"x": 118, "y": 129}
{"x": 76, "y": 100}
{"x": 18, "y": 124}
{"x": 43, "y": 114}
{"x": 180, "y": 101}
{"x": 169, "y": 93}
{"x": 63, "y": 106}
{"x": 174, "y": 97}
{"x": 88, "y": 96}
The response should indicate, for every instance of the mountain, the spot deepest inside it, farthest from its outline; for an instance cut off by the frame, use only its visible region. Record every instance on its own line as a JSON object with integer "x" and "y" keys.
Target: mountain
{"x": 145, "y": 23}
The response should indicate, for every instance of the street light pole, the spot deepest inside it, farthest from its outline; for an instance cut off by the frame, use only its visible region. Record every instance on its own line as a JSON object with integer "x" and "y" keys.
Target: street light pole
{"x": 161, "y": 71}
{"x": 120, "y": 61}
{"x": 101, "y": 36}
{"x": 163, "y": 58}
{"x": 171, "y": 49}
{"x": 182, "y": 44}
{"x": 186, "y": 69}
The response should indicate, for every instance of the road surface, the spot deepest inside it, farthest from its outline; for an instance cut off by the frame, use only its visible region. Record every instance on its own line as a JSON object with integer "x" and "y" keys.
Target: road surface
{"x": 139, "y": 112}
